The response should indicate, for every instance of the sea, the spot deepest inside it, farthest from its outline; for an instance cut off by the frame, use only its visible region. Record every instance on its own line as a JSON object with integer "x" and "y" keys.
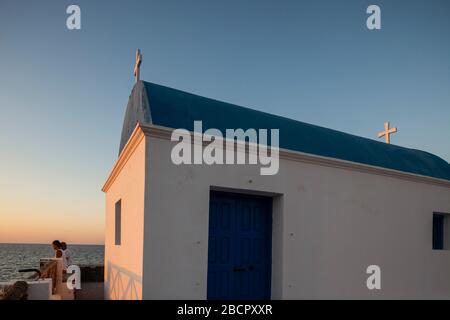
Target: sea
{"x": 14, "y": 257}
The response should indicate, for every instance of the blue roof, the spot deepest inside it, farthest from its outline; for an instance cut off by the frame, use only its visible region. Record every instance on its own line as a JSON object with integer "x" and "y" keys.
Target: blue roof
{"x": 155, "y": 104}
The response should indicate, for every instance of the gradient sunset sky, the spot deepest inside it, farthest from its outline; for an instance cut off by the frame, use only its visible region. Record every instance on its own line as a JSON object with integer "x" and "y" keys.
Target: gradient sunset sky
{"x": 63, "y": 93}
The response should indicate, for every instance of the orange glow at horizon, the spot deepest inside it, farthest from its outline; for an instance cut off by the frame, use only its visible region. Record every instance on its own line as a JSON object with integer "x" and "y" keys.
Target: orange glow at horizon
{"x": 53, "y": 166}
{"x": 20, "y": 228}
{"x": 19, "y": 231}
{"x": 36, "y": 212}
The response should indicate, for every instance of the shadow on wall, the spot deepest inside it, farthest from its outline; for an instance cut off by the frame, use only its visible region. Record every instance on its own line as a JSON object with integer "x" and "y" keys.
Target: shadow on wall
{"x": 122, "y": 284}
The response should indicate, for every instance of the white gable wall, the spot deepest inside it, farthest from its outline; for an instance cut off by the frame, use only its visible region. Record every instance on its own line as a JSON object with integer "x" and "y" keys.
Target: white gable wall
{"x": 123, "y": 263}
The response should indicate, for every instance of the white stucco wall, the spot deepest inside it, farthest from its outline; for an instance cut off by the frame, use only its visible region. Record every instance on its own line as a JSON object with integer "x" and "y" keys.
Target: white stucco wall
{"x": 329, "y": 225}
{"x": 123, "y": 264}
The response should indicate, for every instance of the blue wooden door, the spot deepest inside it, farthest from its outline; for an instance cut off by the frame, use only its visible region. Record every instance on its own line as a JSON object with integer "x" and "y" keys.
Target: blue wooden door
{"x": 240, "y": 247}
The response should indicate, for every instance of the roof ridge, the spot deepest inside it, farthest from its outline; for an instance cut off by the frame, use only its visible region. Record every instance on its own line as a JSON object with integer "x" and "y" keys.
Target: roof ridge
{"x": 174, "y": 108}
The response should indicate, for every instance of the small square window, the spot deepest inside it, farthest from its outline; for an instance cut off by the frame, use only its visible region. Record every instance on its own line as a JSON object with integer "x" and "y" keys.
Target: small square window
{"x": 441, "y": 231}
{"x": 118, "y": 223}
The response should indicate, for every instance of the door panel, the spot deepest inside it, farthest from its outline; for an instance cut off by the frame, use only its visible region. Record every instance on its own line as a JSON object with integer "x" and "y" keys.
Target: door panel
{"x": 239, "y": 248}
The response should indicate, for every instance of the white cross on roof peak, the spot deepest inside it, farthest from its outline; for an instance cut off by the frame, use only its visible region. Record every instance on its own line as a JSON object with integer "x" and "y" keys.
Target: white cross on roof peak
{"x": 137, "y": 65}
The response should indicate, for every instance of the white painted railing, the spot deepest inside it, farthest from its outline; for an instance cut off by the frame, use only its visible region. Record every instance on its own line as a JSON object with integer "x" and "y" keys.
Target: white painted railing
{"x": 51, "y": 285}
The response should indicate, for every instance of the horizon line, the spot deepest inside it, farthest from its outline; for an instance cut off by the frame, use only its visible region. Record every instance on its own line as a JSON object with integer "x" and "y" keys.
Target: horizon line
{"x": 69, "y": 244}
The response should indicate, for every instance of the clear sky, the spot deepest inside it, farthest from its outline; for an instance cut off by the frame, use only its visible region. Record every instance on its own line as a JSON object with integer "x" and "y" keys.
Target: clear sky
{"x": 63, "y": 93}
